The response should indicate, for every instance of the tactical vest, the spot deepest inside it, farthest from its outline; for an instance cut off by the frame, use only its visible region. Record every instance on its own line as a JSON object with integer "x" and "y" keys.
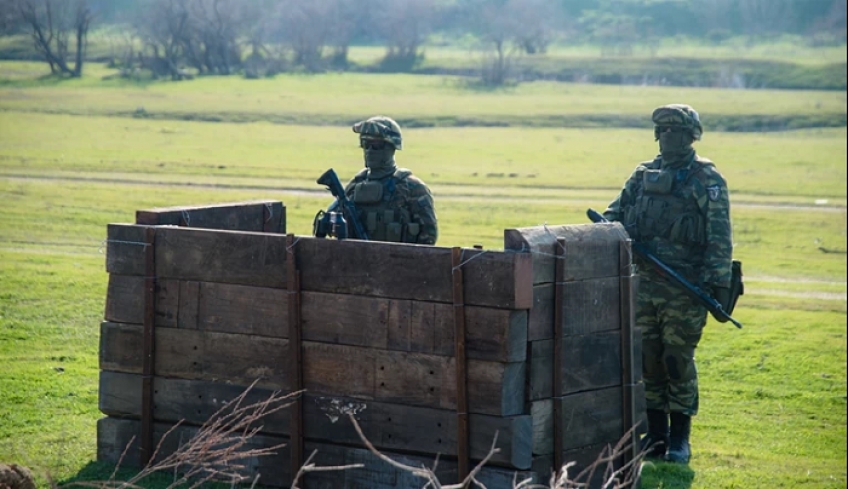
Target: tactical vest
{"x": 383, "y": 207}
{"x": 665, "y": 215}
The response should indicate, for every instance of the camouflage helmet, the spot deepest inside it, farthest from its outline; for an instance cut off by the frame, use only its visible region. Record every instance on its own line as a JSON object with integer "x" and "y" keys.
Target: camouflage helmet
{"x": 680, "y": 115}
{"x": 380, "y": 127}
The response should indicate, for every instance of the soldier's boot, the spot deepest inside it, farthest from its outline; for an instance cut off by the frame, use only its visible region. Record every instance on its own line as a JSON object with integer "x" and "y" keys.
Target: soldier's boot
{"x": 678, "y": 445}
{"x": 655, "y": 441}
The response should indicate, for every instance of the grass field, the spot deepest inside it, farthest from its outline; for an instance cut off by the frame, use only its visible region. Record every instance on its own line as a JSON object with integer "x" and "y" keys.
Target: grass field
{"x": 74, "y": 157}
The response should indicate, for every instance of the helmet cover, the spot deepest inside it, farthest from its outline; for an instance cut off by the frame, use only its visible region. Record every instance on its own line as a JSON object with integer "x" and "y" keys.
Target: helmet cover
{"x": 380, "y": 127}
{"x": 678, "y": 115}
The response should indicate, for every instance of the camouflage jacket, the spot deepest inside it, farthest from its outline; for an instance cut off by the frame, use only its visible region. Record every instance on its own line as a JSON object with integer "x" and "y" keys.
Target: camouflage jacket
{"x": 396, "y": 208}
{"x": 681, "y": 213}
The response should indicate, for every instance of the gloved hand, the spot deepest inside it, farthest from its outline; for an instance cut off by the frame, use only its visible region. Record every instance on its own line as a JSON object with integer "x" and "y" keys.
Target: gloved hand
{"x": 722, "y": 295}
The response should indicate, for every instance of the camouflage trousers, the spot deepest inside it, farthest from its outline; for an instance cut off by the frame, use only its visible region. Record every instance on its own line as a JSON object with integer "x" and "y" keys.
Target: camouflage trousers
{"x": 671, "y": 324}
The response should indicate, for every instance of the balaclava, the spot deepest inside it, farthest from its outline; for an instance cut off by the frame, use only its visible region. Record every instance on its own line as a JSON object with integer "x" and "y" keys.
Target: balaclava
{"x": 675, "y": 146}
{"x": 380, "y": 162}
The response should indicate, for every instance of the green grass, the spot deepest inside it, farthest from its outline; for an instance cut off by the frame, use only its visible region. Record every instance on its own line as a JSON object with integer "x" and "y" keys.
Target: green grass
{"x": 774, "y": 395}
{"x": 415, "y": 101}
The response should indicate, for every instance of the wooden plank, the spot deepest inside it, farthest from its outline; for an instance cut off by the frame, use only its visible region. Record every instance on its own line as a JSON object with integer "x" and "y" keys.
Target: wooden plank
{"x": 593, "y": 249}
{"x": 581, "y": 458}
{"x": 125, "y": 247}
{"x": 461, "y": 364}
{"x": 403, "y": 271}
{"x": 427, "y": 327}
{"x": 628, "y": 323}
{"x": 259, "y": 216}
{"x": 559, "y": 282}
{"x": 192, "y": 354}
{"x": 589, "y": 418}
{"x": 589, "y": 362}
{"x": 295, "y": 351}
{"x": 148, "y": 341}
{"x": 114, "y": 435}
{"x": 590, "y": 305}
{"x": 390, "y": 270}
{"x": 388, "y": 426}
{"x": 540, "y": 319}
{"x": 400, "y": 377}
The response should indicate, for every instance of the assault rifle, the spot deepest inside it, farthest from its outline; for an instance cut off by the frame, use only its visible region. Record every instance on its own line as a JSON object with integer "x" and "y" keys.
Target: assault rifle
{"x": 664, "y": 270}
{"x": 334, "y": 222}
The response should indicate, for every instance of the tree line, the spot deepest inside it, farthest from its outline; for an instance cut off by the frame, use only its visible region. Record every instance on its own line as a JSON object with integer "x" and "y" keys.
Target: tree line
{"x": 180, "y": 38}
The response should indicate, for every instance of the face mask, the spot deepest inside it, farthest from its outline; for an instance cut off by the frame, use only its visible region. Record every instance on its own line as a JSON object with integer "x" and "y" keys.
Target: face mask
{"x": 675, "y": 146}
{"x": 380, "y": 162}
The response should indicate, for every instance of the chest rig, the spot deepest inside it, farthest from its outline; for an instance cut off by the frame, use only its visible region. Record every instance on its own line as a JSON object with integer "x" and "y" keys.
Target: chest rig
{"x": 666, "y": 207}
{"x": 383, "y": 207}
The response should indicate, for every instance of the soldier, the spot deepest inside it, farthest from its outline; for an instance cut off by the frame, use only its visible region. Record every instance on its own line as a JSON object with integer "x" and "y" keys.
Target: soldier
{"x": 678, "y": 207}
{"x": 393, "y": 204}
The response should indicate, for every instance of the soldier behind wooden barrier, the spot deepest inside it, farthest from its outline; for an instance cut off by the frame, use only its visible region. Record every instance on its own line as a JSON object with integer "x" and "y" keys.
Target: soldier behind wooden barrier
{"x": 392, "y": 203}
{"x": 677, "y": 207}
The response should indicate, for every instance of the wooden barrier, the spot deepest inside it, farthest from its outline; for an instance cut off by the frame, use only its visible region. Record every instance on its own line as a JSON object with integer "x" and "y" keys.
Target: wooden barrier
{"x": 439, "y": 348}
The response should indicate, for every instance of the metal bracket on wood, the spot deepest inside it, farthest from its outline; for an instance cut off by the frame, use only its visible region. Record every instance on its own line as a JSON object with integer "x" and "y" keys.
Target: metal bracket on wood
{"x": 295, "y": 355}
{"x": 461, "y": 364}
{"x": 628, "y": 321}
{"x": 148, "y": 346}
{"x": 559, "y": 278}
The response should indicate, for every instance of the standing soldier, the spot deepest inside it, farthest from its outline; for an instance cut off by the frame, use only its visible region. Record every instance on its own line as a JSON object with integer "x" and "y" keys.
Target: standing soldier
{"x": 392, "y": 204}
{"x": 677, "y": 206}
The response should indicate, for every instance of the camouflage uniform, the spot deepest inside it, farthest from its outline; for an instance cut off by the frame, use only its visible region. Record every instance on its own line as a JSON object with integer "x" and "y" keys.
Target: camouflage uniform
{"x": 678, "y": 207}
{"x": 393, "y": 204}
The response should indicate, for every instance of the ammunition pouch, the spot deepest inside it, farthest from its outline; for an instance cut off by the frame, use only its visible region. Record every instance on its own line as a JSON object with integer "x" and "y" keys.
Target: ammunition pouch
{"x": 737, "y": 288}
{"x": 367, "y": 192}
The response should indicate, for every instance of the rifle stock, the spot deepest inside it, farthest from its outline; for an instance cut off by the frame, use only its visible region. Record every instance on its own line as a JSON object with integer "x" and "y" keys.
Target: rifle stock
{"x": 664, "y": 270}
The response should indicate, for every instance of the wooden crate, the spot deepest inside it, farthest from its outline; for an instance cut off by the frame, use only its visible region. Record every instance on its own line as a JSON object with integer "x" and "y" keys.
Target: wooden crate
{"x": 194, "y": 316}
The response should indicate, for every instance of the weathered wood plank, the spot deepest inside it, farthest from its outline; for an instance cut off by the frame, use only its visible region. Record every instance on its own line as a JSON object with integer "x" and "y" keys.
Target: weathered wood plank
{"x": 581, "y": 458}
{"x": 388, "y": 426}
{"x": 589, "y": 418}
{"x": 191, "y": 354}
{"x": 390, "y": 270}
{"x": 540, "y": 320}
{"x": 419, "y": 379}
{"x": 590, "y": 362}
{"x": 259, "y": 216}
{"x": 589, "y": 306}
{"x": 591, "y": 249}
{"x": 492, "y": 334}
{"x": 114, "y": 435}
{"x": 417, "y": 272}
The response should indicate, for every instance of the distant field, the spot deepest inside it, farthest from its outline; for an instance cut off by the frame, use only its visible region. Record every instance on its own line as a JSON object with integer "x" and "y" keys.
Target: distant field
{"x": 793, "y": 49}
{"x": 341, "y": 98}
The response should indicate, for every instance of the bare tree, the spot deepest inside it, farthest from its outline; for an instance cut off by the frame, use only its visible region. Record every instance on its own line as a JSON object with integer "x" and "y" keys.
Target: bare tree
{"x": 404, "y": 24}
{"x": 344, "y": 22}
{"x": 211, "y": 44}
{"x": 534, "y": 23}
{"x": 764, "y": 17}
{"x": 305, "y": 27}
{"x": 59, "y": 29}
{"x": 162, "y": 27}
{"x": 498, "y": 28}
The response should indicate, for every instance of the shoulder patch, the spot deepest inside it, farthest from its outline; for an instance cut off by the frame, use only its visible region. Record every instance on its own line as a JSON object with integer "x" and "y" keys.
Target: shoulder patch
{"x": 714, "y": 192}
